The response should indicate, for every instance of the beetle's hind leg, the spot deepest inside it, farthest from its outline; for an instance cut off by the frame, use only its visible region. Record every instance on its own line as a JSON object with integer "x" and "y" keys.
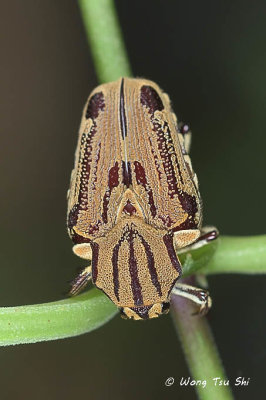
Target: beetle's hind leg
{"x": 81, "y": 281}
{"x": 199, "y": 296}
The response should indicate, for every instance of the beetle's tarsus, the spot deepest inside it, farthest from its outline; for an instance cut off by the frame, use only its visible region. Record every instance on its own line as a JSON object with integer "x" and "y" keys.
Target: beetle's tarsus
{"x": 79, "y": 283}
{"x": 199, "y": 296}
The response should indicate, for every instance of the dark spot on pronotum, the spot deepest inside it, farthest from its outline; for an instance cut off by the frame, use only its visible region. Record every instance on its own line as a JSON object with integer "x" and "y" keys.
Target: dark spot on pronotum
{"x": 96, "y": 104}
{"x": 151, "y": 99}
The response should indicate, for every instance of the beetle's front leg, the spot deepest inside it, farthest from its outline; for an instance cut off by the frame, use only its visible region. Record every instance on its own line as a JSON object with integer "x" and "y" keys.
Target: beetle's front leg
{"x": 207, "y": 234}
{"x": 82, "y": 250}
{"x": 199, "y": 296}
{"x": 81, "y": 281}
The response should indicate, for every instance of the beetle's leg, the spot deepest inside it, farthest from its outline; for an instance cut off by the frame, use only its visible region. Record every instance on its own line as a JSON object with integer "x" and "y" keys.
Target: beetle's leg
{"x": 207, "y": 234}
{"x": 184, "y": 130}
{"x": 199, "y": 296}
{"x": 79, "y": 283}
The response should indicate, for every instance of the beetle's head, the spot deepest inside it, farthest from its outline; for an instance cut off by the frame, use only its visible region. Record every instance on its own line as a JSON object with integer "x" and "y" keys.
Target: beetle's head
{"x": 145, "y": 312}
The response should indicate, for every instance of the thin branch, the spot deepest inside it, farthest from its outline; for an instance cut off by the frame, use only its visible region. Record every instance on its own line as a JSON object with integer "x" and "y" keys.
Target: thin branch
{"x": 105, "y": 39}
{"x": 200, "y": 349}
{"x": 238, "y": 255}
{"x": 57, "y": 320}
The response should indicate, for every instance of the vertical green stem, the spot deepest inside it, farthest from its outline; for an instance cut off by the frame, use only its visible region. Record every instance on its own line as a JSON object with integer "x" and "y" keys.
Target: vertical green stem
{"x": 110, "y": 58}
{"x": 200, "y": 349}
{"x": 105, "y": 39}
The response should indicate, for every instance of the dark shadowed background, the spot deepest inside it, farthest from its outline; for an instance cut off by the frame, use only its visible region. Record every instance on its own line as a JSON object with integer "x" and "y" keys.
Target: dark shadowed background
{"x": 210, "y": 57}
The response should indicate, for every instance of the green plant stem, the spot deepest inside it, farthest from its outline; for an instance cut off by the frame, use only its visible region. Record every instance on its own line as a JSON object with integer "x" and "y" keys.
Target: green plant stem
{"x": 105, "y": 39}
{"x": 56, "y": 320}
{"x": 239, "y": 255}
{"x": 200, "y": 349}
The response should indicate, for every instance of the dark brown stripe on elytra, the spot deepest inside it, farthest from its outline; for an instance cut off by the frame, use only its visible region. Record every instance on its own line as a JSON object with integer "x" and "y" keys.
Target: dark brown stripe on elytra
{"x": 86, "y": 144}
{"x": 168, "y": 241}
{"x": 73, "y": 216}
{"x": 156, "y": 160}
{"x": 151, "y": 266}
{"x": 123, "y": 121}
{"x": 85, "y": 162}
{"x": 94, "y": 180}
{"x": 96, "y": 103}
{"x": 94, "y": 262}
{"x": 113, "y": 181}
{"x": 151, "y": 99}
{"x": 127, "y": 175}
{"x": 113, "y": 177}
{"x": 115, "y": 269}
{"x": 142, "y": 180}
{"x": 167, "y": 153}
{"x": 133, "y": 270}
{"x": 189, "y": 205}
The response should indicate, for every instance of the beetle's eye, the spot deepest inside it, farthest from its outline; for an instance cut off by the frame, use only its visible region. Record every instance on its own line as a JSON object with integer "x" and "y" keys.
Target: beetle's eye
{"x": 165, "y": 308}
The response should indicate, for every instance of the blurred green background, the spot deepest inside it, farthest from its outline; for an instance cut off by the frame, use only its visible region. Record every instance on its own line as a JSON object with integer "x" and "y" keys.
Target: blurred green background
{"x": 210, "y": 57}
